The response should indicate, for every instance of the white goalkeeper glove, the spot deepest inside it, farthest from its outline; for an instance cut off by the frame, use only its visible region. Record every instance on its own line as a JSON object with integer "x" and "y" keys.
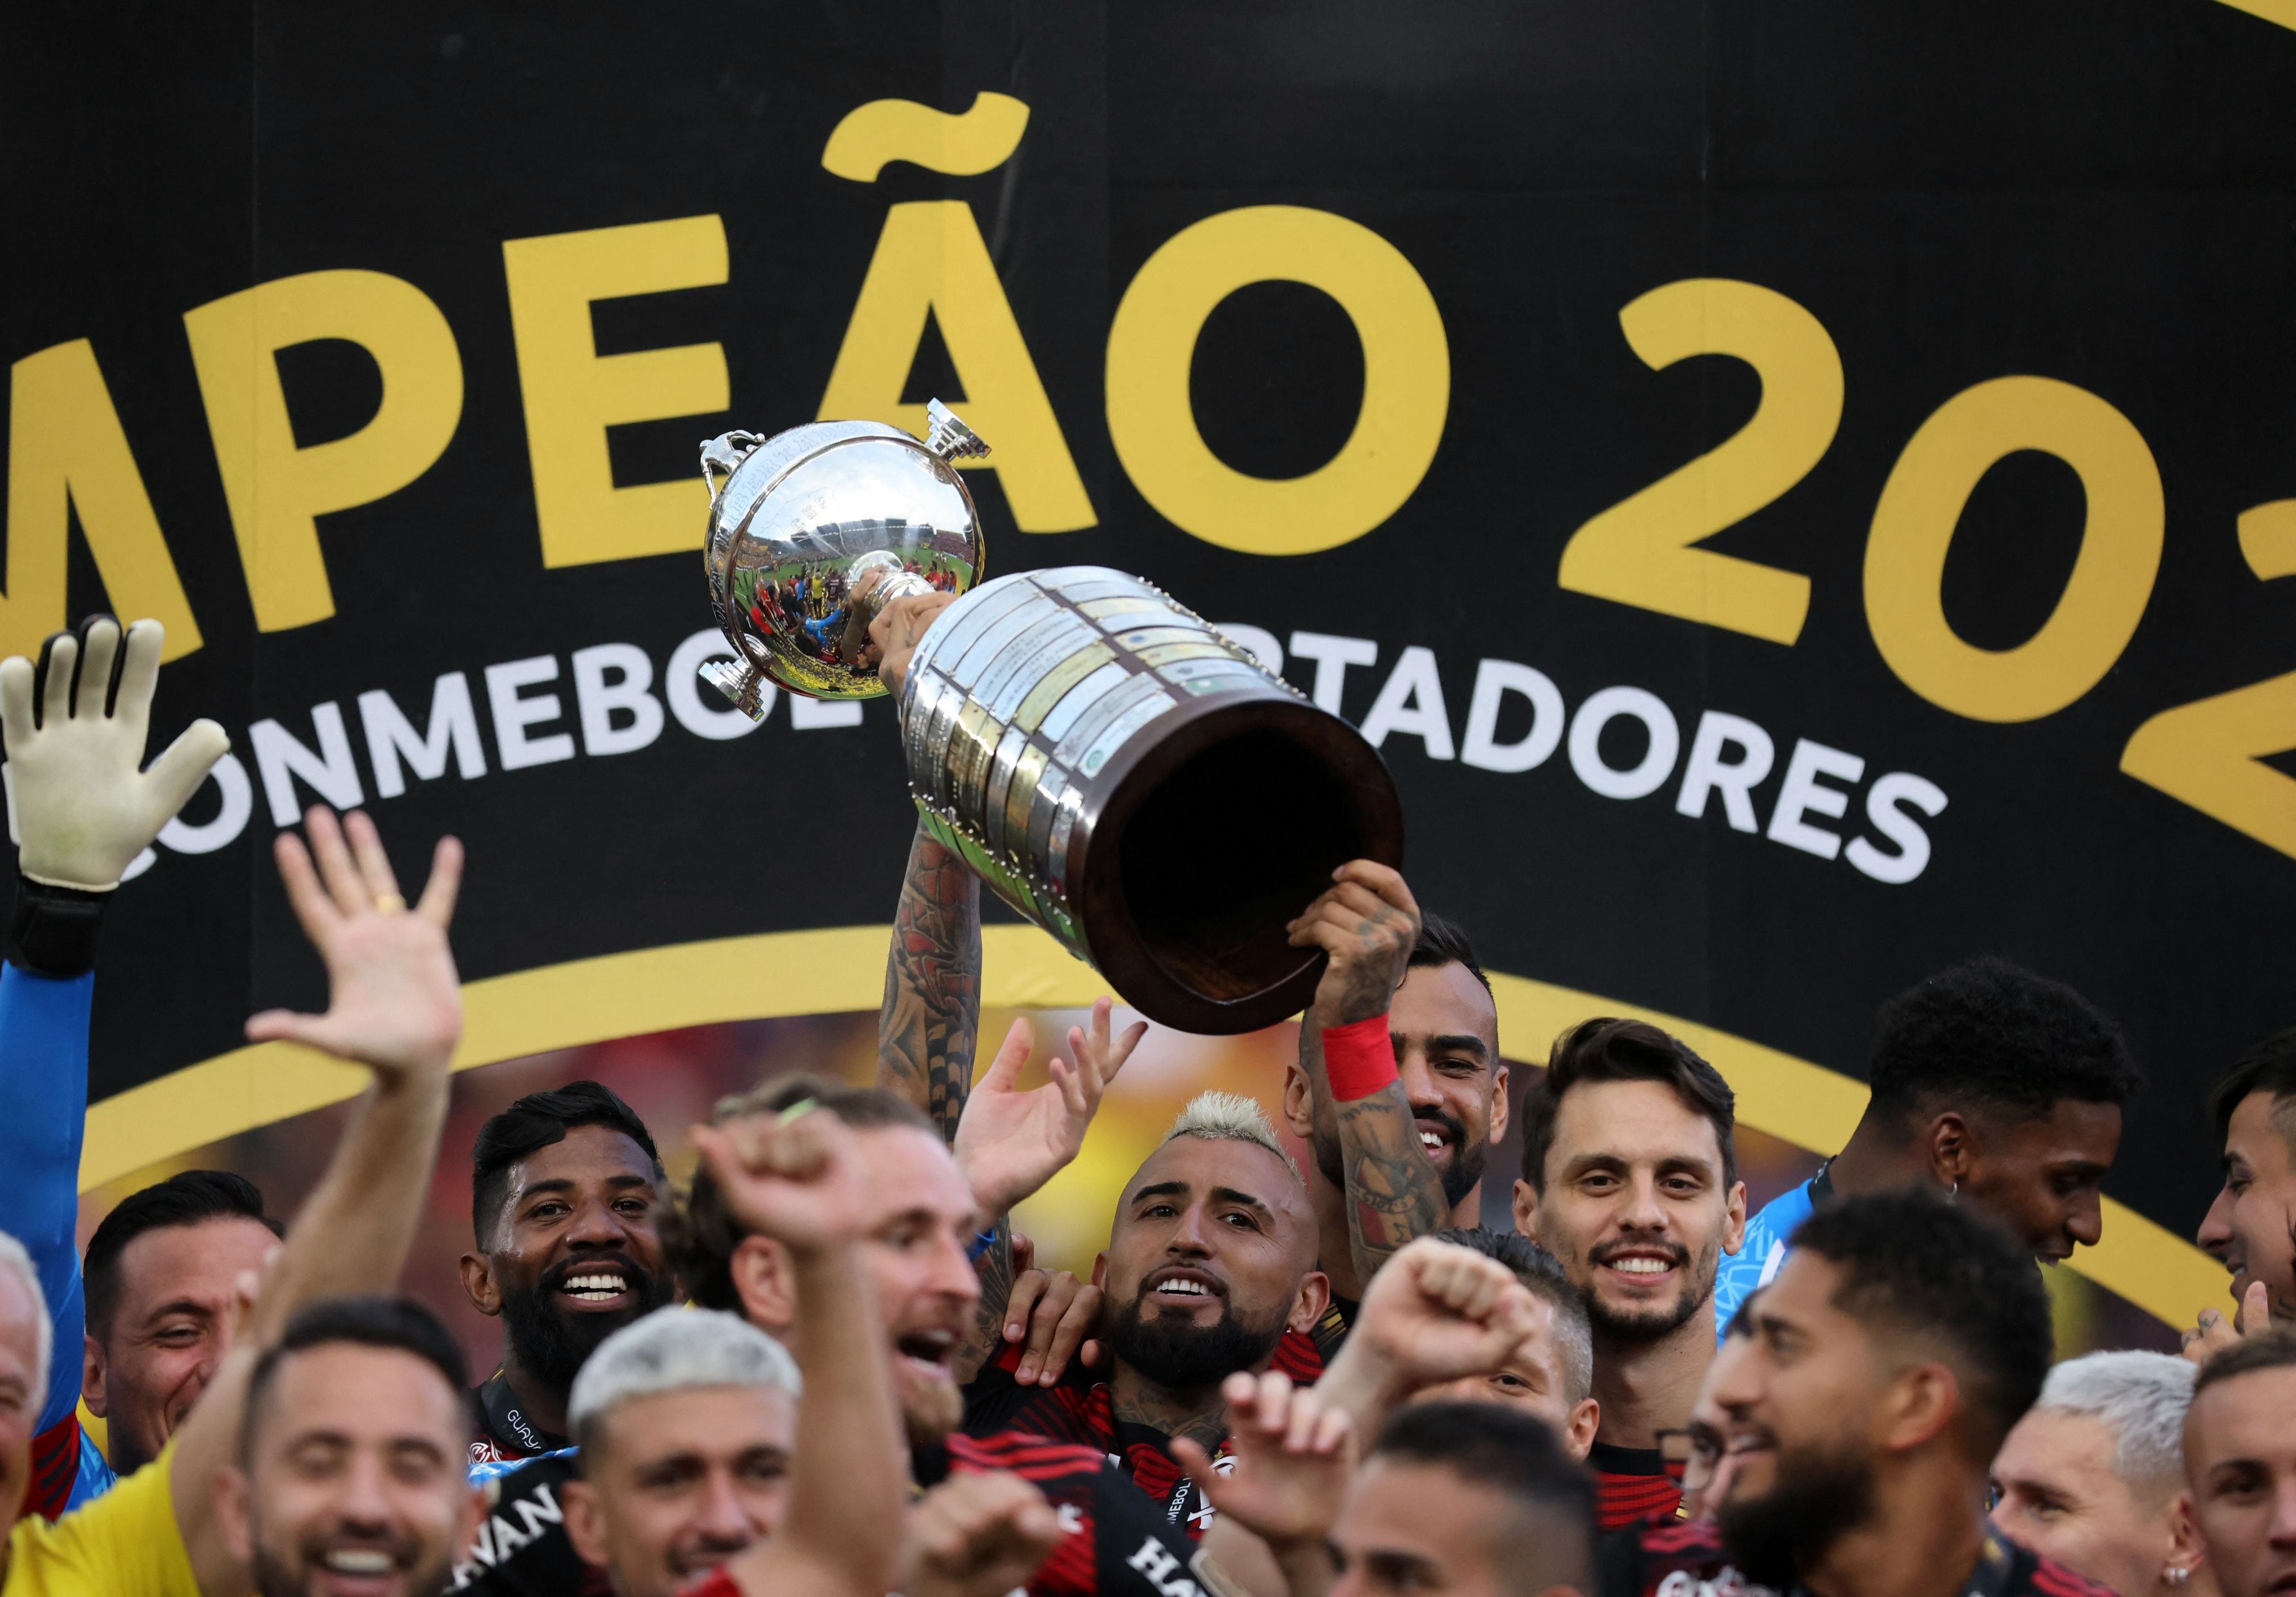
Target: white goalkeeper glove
{"x": 84, "y": 805}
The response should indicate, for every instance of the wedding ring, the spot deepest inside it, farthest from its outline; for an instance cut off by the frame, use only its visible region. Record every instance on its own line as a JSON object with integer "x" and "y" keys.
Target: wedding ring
{"x": 390, "y": 903}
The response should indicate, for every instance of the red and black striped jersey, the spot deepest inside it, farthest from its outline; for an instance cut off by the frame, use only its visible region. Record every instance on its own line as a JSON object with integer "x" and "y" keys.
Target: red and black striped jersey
{"x": 1081, "y": 1413}
{"x": 1114, "y": 1541}
{"x": 1690, "y": 1560}
{"x": 55, "y": 1466}
{"x": 1632, "y": 1485}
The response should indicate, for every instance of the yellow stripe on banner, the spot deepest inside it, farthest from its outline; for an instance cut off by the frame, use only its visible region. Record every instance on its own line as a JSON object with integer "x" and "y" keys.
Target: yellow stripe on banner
{"x": 2283, "y": 11}
{"x": 831, "y": 971}
{"x": 839, "y": 969}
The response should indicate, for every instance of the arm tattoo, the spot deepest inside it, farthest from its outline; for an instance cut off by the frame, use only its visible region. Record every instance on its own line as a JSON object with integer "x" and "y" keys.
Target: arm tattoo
{"x": 995, "y": 1269}
{"x": 1394, "y": 1192}
{"x": 930, "y": 1020}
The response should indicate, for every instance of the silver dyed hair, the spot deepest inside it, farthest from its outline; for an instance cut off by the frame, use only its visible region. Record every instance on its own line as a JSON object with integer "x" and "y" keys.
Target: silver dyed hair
{"x": 2141, "y": 1398}
{"x": 17, "y": 1262}
{"x": 675, "y": 1350}
{"x": 1232, "y": 1117}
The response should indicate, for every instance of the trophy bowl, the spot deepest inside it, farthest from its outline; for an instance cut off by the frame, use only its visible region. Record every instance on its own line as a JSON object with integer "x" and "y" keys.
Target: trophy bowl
{"x": 1116, "y": 768}
{"x": 813, "y": 531}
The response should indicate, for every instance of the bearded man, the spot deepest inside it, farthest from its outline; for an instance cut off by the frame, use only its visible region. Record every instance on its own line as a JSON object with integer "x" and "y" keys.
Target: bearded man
{"x": 567, "y": 1195}
{"x": 1630, "y": 1180}
{"x": 1210, "y": 1261}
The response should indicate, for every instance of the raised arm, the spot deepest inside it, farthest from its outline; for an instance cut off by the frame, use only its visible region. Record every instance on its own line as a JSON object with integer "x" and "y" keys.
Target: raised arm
{"x": 1367, "y": 923}
{"x": 799, "y": 1179}
{"x": 395, "y": 1007}
{"x": 84, "y": 809}
{"x": 1438, "y": 1312}
{"x": 1009, "y": 1143}
{"x": 931, "y": 1022}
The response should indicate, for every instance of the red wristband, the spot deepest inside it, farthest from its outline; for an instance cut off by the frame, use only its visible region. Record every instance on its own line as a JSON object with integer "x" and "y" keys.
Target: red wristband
{"x": 1358, "y": 1060}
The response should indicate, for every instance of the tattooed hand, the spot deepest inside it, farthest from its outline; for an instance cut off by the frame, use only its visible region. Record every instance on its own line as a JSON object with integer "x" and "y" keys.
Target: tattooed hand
{"x": 1368, "y": 923}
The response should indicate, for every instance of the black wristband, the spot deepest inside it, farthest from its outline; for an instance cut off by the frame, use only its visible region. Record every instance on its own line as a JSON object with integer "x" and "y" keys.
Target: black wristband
{"x": 52, "y": 931}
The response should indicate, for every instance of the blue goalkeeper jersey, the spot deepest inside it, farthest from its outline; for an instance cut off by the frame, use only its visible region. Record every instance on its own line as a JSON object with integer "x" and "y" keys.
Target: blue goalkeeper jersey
{"x": 44, "y": 1024}
{"x": 1767, "y": 1235}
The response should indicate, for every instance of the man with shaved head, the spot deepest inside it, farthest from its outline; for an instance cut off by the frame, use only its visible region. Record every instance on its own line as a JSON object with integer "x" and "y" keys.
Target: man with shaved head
{"x": 1210, "y": 1262}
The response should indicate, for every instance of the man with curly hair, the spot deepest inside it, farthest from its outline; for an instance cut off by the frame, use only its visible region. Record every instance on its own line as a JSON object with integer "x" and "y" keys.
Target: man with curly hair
{"x": 1999, "y": 1087}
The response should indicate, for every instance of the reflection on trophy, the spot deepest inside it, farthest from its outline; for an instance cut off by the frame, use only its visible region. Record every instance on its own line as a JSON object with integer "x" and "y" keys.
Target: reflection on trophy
{"x": 1116, "y": 768}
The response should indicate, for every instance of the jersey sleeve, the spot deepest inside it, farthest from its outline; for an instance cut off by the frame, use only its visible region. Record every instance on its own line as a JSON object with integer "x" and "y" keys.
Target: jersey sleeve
{"x": 993, "y": 1400}
{"x": 44, "y": 1024}
{"x": 127, "y": 1543}
{"x": 1756, "y": 1260}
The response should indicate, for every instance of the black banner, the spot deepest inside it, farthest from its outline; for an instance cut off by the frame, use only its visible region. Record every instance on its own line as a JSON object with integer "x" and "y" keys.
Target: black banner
{"x": 1797, "y": 490}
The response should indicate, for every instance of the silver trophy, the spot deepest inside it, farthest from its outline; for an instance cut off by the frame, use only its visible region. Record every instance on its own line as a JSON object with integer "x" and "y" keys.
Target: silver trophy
{"x": 816, "y": 530}
{"x": 1115, "y": 768}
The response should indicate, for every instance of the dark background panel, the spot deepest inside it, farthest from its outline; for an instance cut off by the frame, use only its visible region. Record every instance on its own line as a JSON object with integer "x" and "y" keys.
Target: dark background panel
{"x": 2098, "y": 192}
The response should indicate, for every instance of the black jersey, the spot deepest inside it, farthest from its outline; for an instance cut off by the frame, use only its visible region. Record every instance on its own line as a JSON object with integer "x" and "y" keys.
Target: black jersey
{"x": 521, "y": 1548}
{"x": 1081, "y": 1411}
{"x": 505, "y": 1435}
{"x": 1114, "y": 1539}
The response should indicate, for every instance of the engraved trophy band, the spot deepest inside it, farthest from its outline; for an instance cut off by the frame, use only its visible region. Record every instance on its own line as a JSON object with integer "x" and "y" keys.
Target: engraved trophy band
{"x": 1139, "y": 785}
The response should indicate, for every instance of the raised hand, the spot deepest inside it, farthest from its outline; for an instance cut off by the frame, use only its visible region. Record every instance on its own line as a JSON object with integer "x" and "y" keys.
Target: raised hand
{"x": 977, "y": 1535}
{"x": 894, "y": 635}
{"x": 1057, "y": 1313}
{"x": 1434, "y": 1313}
{"x": 84, "y": 805}
{"x": 1368, "y": 923}
{"x": 1294, "y": 1453}
{"x": 1009, "y": 1143}
{"x": 2215, "y": 1333}
{"x": 795, "y": 1177}
{"x": 394, "y": 1002}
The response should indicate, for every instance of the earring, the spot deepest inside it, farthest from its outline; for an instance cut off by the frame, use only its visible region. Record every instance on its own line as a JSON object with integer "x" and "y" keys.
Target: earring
{"x": 2178, "y": 1575}
{"x": 1953, "y": 1195}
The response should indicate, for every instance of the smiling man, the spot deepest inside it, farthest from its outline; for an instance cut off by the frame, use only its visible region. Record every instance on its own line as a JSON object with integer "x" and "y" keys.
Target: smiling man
{"x": 566, "y": 1198}
{"x": 1991, "y": 1083}
{"x": 1399, "y": 1154}
{"x": 350, "y": 1478}
{"x": 159, "y": 1275}
{"x": 1209, "y": 1261}
{"x": 2250, "y": 1227}
{"x": 924, "y": 1212}
{"x": 1900, "y": 1341}
{"x": 1630, "y": 1180}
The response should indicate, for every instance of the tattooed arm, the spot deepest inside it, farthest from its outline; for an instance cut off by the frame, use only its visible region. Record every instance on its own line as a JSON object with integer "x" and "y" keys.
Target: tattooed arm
{"x": 1367, "y": 923}
{"x": 930, "y": 1021}
{"x": 1395, "y": 1194}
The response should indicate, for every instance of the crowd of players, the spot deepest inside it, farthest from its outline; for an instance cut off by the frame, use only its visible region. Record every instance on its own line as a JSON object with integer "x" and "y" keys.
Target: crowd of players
{"x": 830, "y": 1366}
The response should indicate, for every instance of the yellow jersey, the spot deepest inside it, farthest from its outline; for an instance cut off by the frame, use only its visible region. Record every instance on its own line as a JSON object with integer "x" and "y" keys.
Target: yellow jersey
{"x": 125, "y": 1544}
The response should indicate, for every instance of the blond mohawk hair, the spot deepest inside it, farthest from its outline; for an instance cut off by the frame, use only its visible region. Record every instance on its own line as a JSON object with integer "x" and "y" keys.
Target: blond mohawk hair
{"x": 1232, "y": 1117}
